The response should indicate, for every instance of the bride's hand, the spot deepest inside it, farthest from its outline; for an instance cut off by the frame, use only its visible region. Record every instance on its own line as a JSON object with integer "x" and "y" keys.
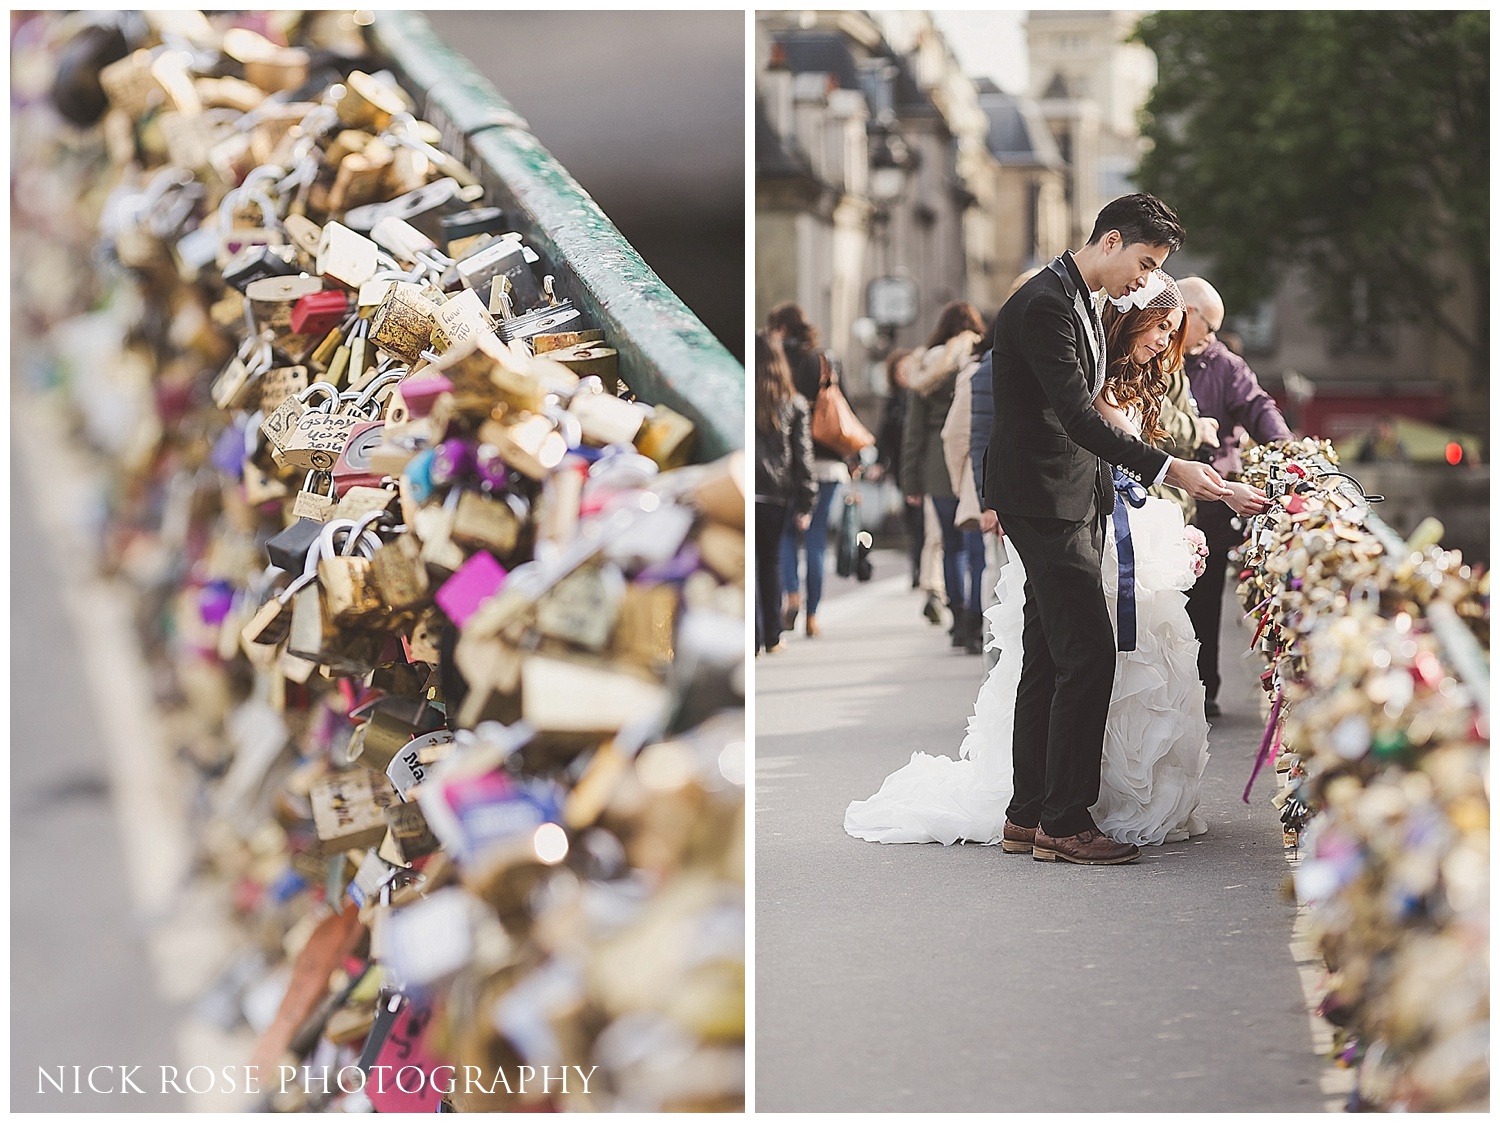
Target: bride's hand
{"x": 1245, "y": 500}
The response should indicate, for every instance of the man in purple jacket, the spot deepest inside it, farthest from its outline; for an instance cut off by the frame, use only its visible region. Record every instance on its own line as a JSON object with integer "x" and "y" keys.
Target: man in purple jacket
{"x": 1226, "y": 392}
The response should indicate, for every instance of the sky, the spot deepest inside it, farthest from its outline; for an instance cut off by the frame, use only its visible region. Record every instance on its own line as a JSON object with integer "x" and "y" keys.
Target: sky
{"x": 988, "y": 45}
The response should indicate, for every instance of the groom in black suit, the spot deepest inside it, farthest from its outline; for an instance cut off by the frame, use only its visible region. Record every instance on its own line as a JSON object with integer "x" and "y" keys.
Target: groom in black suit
{"x": 1047, "y": 475}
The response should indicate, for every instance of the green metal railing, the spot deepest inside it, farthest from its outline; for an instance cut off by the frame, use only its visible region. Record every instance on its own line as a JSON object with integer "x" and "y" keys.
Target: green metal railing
{"x": 667, "y": 356}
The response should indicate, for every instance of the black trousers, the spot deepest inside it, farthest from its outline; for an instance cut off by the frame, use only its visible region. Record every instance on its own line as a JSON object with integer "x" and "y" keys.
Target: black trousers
{"x": 770, "y": 518}
{"x": 1067, "y": 673}
{"x": 1206, "y": 598}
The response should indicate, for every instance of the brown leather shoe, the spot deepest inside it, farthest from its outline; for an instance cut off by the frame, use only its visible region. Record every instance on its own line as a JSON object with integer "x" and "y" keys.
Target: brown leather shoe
{"x": 1090, "y": 848}
{"x": 1016, "y": 840}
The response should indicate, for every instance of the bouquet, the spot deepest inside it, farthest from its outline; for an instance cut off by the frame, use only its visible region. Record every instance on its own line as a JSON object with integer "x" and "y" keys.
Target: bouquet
{"x": 1199, "y": 547}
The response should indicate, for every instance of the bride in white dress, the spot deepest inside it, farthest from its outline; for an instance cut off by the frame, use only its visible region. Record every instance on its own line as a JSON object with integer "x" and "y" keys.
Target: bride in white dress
{"x": 1156, "y": 738}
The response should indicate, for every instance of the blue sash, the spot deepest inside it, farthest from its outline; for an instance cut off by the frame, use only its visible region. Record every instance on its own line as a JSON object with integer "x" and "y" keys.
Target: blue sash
{"x": 1128, "y": 493}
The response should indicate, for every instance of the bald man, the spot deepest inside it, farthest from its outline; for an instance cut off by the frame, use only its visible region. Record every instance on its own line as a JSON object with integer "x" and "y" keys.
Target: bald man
{"x": 1230, "y": 400}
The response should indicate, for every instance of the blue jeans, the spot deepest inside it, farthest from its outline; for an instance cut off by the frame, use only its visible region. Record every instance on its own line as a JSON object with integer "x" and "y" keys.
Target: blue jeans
{"x": 815, "y": 542}
{"x": 974, "y": 557}
{"x": 963, "y": 558}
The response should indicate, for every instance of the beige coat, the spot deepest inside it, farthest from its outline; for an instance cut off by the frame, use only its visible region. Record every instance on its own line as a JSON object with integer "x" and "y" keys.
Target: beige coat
{"x": 956, "y": 448}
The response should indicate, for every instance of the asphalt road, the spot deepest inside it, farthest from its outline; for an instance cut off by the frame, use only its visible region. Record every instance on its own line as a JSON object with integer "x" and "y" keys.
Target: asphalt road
{"x": 931, "y": 978}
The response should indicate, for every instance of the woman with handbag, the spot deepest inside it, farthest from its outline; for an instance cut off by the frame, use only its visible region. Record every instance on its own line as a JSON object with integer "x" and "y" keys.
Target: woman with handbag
{"x": 785, "y": 487}
{"x": 815, "y": 374}
{"x": 923, "y": 466}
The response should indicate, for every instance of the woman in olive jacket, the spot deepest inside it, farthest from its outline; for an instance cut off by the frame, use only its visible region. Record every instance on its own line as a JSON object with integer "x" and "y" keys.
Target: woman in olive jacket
{"x": 784, "y": 479}
{"x": 924, "y": 471}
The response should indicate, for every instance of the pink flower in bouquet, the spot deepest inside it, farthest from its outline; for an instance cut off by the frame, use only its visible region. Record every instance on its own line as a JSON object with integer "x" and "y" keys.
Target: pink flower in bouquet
{"x": 1194, "y": 538}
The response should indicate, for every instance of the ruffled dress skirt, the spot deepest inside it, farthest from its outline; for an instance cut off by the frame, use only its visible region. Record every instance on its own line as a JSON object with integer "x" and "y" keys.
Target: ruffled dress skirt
{"x": 1155, "y": 740}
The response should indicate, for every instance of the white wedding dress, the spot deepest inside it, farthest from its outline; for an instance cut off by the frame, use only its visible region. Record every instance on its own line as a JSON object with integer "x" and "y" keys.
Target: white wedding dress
{"x": 1155, "y": 741}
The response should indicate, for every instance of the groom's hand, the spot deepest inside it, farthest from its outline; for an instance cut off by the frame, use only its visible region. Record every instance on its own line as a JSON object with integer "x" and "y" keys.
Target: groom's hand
{"x": 1198, "y": 480}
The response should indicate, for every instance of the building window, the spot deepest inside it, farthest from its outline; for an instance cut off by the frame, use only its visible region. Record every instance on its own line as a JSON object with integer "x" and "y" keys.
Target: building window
{"x": 1256, "y": 328}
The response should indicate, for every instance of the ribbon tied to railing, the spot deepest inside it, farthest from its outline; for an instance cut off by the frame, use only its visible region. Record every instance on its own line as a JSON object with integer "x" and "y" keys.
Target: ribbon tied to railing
{"x": 1128, "y": 493}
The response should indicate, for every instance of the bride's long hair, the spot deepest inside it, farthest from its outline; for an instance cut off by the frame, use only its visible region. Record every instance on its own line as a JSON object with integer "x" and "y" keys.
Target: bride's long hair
{"x": 1127, "y": 383}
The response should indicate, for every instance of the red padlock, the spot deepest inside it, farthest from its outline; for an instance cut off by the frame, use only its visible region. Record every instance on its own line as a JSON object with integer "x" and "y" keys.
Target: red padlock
{"x": 318, "y": 313}
{"x": 353, "y": 467}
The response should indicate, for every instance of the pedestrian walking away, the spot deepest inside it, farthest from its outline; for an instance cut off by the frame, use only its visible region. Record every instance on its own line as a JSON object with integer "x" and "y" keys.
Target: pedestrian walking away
{"x": 784, "y": 481}
{"x": 808, "y": 363}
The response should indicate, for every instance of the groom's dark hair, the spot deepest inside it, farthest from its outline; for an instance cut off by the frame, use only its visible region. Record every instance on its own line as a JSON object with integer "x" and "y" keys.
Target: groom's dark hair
{"x": 1140, "y": 218}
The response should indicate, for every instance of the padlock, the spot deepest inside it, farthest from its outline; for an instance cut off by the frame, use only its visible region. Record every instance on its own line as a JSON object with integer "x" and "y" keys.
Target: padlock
{"x": 279, "y": 425}
{"x": 581, "y": 609}
{"x": 551, "y": 690}
{"x": 312, "y": 504}
{"x": 460, "y": 316}
{"x": 280, "y": 383}
{"x": 348, "y": 584}
{"x": 586, "y": 359}
{"x": 270, "y": 67}
{"x": 319, "y": 312}
{"x": 235, "y": 239}
{"x": 362, "y": 177}
{"x": 257, "y": 262}
{"x": 353, "y": 467}
{"x": 408, "y": 836}
{"x": 359, "y": 500}
{"x": 606, "y": 419}
{"x": 316, "y": 440}
{"x": 400, "y": 573}
{"x": 503, "y": 258}
{"x": 349, "y": 809}
{"x": 129, "y": 83}
{"x": 402, "y": 325}
{"x": 466, "y": 224}
{"x": 422, "y": 207}
{"x": 531, "y": 444}
{"x": 666, "y": 438}
{"x": 271, "y": 302}
{"x": 390, "y": 724}
{"x": 491, "y": 524}
{"x": 421, "y": 390}
{"x": 478, "y": 579}
{"x": 347, "y": 257}
{"x": 559, "y": 340}
{"x": 369, "y": 103}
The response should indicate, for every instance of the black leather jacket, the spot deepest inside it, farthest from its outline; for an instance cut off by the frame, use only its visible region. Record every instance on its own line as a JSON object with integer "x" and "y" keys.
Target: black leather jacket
{"x": 784, "y": 458}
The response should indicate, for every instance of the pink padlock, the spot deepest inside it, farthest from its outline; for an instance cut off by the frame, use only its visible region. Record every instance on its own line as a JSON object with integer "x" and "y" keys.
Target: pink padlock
{"x": 472, "y": 583}
{"x": 421, "y": 391}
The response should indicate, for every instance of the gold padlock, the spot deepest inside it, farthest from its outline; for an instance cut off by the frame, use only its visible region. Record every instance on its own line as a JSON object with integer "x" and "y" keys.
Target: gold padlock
{"x": 400, "y": 572}
{"x": 667, "y": 438}
{"x": 281, "y": 422}
{"x": 482, "y": 522}
{"x": 311, "y": 504}
{"x": 280, "y": 383}
{"x": 317, "y": 440}
{"x": 531, "y": 444}
{"x": 402, "y": 325}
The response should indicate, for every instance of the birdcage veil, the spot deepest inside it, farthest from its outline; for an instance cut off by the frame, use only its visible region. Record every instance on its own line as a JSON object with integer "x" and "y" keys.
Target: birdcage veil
{"x": 1160, "y": 291}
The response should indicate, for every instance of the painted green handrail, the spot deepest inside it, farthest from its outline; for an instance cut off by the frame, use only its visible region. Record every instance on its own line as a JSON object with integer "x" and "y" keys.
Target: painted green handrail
{"x": 667, "y": 356}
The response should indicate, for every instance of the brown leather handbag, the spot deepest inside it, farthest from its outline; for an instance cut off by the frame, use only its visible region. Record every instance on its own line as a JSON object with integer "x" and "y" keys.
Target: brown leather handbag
{"x": 834, "y": 423}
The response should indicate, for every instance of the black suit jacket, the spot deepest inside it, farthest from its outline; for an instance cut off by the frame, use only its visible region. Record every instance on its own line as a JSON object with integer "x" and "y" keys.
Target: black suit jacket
{"x": 1050, "y": 451}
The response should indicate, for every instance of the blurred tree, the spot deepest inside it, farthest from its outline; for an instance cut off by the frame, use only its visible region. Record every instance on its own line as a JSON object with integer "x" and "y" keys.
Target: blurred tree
{"x": 1354, "y": 143}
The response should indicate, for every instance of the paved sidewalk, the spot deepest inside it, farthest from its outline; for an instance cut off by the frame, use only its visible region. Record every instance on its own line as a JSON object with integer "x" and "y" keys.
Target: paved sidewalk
{"x": 896, "y": 978}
